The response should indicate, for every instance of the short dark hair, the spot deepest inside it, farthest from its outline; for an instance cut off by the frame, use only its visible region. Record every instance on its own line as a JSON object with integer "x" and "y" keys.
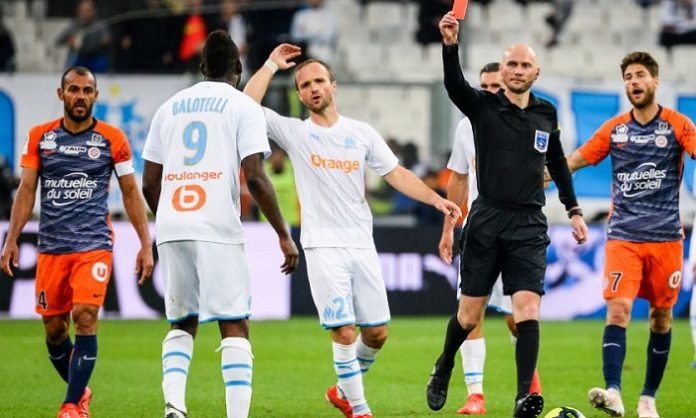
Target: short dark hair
{"x": 491, "y": 67}
{"x": 642, "y": 58}
{"x": 314, "y": 61}
{"x": 79, "y": 70}
{"x": 220, "y": 55}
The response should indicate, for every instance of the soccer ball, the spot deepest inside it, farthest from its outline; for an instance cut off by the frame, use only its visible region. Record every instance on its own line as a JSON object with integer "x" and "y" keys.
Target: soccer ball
{"x": 564, "y": 412}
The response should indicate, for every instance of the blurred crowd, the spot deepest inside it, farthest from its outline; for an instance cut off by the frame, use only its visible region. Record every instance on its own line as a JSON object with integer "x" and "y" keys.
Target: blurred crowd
{"x": 165, "y": 36}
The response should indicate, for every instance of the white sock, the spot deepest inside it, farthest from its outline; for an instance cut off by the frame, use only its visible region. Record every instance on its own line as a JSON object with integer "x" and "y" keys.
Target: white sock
{"x": 473, "y": 358}
{"x": 349, "y": 376}
{"x": 366, "y": 355}
{"x": 237, "y": 369}
{"x": 692, "y": 314}
{"x": 177, "y": 351}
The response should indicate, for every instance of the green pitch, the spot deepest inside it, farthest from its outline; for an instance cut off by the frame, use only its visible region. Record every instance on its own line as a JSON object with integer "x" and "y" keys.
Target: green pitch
{"x": 292, "y": 369}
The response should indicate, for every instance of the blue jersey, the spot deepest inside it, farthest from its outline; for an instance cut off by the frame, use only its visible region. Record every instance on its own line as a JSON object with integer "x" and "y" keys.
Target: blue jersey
{"x": 647, "y": 164}
{"x": 75, "y": 173}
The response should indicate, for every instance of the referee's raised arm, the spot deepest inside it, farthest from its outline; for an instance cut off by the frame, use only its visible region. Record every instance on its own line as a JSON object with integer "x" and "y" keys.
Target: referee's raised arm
{"x": 462, "y": 94}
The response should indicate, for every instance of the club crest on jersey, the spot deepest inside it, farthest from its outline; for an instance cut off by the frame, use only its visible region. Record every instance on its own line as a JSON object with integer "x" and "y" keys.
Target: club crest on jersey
{"x": 96, "y": 141}
{"x": 350, "y": 142}
{"x": 541, "y": 141}
{"x": 93, "y": 153}
{"x": 663, "y": 128}
{"x": 49, "y": 141}
{"x": 661, "y": 141}
{"x": 621, "y": 134}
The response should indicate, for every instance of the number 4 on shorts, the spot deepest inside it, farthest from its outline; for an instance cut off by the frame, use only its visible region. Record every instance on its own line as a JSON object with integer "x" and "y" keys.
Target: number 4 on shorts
{"x": 41, "y": 300}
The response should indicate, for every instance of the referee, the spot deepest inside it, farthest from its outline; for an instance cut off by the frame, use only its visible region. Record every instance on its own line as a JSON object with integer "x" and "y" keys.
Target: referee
{"x": 516, "y": 135}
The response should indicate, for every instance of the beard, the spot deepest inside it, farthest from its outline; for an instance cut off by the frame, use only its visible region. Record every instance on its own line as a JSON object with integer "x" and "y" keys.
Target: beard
{"x": 648, "y": 98}
{"x": 70, "y": 111}
{"x": 319, "y": 108}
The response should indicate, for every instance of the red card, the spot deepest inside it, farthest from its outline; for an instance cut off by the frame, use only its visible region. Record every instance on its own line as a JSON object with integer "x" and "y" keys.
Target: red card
{"x": 459, "y": 9}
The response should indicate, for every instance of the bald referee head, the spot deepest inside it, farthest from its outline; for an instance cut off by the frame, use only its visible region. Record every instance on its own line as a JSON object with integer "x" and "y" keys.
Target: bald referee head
{"x": 519, "y": 68}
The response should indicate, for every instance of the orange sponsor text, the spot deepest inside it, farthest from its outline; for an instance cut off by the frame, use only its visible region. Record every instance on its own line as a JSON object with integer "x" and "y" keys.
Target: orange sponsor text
{"x": 347, "y": 166}
{"x": 193, "y": 175}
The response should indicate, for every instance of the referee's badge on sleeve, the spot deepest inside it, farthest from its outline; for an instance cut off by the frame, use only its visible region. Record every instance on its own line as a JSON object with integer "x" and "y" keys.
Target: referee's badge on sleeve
{"x": 541, "y": 141}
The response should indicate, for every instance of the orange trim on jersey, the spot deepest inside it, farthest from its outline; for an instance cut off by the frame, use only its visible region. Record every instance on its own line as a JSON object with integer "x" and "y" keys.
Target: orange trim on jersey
{"x": 684, "y": 129}
{"x": 597, "y": 147}
{"x": 30, "y": 158}
{"x": 120, "y": 148}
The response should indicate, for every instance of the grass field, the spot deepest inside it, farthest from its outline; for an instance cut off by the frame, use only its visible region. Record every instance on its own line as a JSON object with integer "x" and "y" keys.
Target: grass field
{"x": 292, "y": 368}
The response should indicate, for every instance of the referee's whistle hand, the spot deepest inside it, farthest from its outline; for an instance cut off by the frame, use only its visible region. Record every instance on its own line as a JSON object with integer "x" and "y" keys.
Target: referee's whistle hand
{"x": 445, "y": 247}
{"x": 579, "y": 229}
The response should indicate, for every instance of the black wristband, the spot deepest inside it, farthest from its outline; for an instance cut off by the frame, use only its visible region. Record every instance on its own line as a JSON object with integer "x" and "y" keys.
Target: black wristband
{"x": 574, "y": 211}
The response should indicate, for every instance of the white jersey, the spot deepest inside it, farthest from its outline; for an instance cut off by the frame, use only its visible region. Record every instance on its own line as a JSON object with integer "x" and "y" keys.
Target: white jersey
{"x": 200, "y": 136}
{"x": 463, "y": 158}
{"x": 329, "y": 166}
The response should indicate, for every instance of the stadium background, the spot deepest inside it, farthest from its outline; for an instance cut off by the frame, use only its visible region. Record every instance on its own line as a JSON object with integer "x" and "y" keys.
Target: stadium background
{"x": 393, "y": 82}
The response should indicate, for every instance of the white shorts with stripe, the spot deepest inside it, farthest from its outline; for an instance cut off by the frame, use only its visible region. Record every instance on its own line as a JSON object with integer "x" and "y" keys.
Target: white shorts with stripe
{"x": 347, "y": 286}
{"x": 205, "y": 279}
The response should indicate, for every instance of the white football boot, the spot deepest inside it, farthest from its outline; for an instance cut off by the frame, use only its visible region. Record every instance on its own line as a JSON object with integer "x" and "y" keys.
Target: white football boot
{"x": 607, "y": 400}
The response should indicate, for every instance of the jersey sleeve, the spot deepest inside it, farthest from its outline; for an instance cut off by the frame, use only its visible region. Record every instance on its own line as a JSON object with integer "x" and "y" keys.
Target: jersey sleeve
{"x": 687, "y": 135}
{"x": 459, "y": 161}
{"x": 251, "y": 131}
{"x": 280, "y": 128}
{"x": 597, "y": 147}
{"x": 30, "y": 153}
{"x": 121, "y": 153}
{"x": 152, "y": 150}
{"x": 380, "y": 157}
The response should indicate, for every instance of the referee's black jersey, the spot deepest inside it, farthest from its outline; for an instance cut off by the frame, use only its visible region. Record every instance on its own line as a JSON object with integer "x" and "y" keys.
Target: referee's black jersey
{"x": 512, "y": 144}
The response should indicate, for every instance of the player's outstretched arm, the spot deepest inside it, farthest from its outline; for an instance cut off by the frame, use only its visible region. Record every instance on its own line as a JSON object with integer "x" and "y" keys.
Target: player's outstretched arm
{"x": 409, "y": 184}
{"x": 280, "y": 59}
{"x": 21, "y": 211}
{"x": 575, "y": 162}
{"x": 457, "y": 192}
{"x": 135, "y": 209}
{"x": 262, "y": 191}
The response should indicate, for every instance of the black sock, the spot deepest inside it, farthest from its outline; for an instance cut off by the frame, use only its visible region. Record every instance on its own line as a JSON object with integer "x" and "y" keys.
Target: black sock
{"x": 658, "y": 353}
{"x": 60, "y": 357}
{"x": 81, "y": 366}
{"x": 526, "y": 353}
{"x": 613, "y": 355}
{"x": 454, "y": 338}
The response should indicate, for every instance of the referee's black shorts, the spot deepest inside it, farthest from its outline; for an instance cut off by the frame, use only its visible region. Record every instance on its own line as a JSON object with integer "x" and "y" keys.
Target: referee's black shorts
{"x": 511, "y": 242}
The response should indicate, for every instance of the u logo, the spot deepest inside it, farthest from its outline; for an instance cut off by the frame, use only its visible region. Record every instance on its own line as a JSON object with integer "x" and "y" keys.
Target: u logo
{"x": 188, "y": 198}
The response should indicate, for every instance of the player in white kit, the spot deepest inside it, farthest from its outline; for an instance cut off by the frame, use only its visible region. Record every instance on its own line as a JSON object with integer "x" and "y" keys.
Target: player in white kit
{"x": 462, "y": 188}
{"x": 329, "y": 153}
{"x": 198, "y": 141}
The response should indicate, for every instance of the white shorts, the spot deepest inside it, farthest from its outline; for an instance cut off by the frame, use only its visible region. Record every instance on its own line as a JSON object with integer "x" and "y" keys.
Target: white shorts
{"x": 498, "y": 301}
{"x": 205, "y": 279}
{"x": 347, "y": 286}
